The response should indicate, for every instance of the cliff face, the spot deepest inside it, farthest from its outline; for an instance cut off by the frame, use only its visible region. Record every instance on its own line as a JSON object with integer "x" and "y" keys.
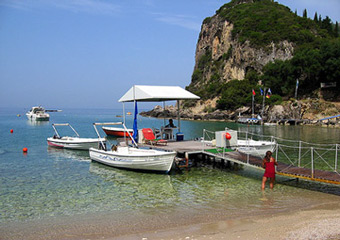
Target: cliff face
{"x": 222, "y": 57}
{"x": 237, "y": 43}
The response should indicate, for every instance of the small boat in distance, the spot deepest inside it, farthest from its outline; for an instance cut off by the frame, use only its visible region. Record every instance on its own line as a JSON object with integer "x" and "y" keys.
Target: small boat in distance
{"x": 38, "y": 114}
{"x": 132, "y": 157}
{"x": 117, "y": 132}
{"x": 77, "y": 142}
{"x": 245, "y": 120}
{"x": 128, "y": 113}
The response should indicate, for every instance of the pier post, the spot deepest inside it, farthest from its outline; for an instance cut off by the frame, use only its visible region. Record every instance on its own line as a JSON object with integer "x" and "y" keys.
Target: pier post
{"x": 336, "y": 158}
{"x": 312, "y": 167}
{"x": 203, "y": 140}
{"x": 222, "y": 163}
{"x": 299, "y": 160}
{"x": 277, "y": 152}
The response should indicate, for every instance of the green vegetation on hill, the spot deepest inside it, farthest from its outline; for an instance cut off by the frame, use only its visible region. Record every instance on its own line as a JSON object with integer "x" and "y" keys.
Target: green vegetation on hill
{"x": 265, "y": 21}
{"x": 316, "y": 54}
{"x": 311, "y": 66}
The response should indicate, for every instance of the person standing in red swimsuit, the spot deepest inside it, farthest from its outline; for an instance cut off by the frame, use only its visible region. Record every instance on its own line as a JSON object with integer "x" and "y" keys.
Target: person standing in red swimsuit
{"x": 268, "y": 164}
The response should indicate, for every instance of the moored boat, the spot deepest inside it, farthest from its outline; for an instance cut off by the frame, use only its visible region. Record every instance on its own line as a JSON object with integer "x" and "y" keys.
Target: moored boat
{"x": 117, "y": 132}
{"x": 245, "y": 120}
{"x": 229, "y": 139}
{"x": 132, "y": 157}
{"x": 135, "y": 158}
{"x": 76, "y": 142}
{"x": 38, "y": 114}
{"x": 255, "y": 147}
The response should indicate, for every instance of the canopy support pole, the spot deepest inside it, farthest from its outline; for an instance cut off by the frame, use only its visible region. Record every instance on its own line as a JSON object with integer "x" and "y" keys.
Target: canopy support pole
{"x": 178, "y": 117}
{"x": 124, "y": 113}
{"x": 164, "y": 111}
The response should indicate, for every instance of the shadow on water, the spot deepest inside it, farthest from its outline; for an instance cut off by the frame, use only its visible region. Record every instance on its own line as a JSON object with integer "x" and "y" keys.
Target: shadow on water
{"x": 292, "y": 182}
{"x": 313, "y": 186}
{"x": 62, "y": 154}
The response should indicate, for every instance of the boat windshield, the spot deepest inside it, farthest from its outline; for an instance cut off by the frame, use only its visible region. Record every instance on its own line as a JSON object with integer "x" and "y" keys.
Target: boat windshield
{"x": 38, "y": 109}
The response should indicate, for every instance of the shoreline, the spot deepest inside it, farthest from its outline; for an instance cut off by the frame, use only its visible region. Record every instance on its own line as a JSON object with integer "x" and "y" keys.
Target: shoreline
{"x": 201, "y": 119}
{"x": 319, "y": 221}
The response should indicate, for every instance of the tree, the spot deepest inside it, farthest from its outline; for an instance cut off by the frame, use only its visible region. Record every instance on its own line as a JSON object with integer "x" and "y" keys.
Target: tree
{"x": 327, "y": 25}
{"x": 316, "y": 20}
{"x": 305, "y": 13}
{"x": 336, "y": 29}
{"x": 235, "y": 94}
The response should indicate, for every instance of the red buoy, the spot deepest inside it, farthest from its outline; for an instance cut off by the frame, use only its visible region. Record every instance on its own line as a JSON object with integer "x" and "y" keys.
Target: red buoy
{"x": 11, "y": 131}
{"x": 24, "y": 150}
{"x": 228, "y": 136}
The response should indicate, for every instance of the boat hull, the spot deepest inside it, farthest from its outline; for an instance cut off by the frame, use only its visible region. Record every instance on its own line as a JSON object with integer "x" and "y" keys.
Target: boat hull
{"x": 38, "y": 117}
{"x": 256, "y": 148}
{"x": 135, "y": 159}
{"x": 74, "y": 143}
{"x": 117, "y": 132}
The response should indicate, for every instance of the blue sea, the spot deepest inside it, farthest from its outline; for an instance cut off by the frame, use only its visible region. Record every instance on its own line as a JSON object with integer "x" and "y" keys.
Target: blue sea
{"x": 50, "y": 187}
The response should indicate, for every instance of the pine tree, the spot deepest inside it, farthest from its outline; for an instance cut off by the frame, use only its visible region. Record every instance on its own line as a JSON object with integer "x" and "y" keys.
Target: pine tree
{"x": 316, "y": 17}
{"x": 336, "y": 30}
{"x": 320, "y": 20}
{"x": 305, "y": 13}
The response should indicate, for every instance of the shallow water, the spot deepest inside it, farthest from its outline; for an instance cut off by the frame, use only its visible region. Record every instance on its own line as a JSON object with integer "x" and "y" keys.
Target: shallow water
{"x": 48, "y": 183}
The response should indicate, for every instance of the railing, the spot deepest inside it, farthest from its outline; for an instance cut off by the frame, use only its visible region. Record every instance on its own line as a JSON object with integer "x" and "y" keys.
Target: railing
{"x": 291, "y": 152}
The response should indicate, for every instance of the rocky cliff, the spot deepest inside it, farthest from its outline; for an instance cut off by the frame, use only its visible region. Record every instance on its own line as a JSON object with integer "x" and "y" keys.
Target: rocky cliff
{"x": 232, "y": 59}
{"x": 221, "y": 56}
{"x": 253, "y": 44}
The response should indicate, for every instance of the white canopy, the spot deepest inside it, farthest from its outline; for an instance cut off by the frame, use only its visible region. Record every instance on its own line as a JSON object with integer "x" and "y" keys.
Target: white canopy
{"x": 145, "y": 93}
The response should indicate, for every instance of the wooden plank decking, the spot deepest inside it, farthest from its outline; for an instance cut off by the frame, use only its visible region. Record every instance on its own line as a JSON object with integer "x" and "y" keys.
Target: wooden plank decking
{"x": 181, "y": 146}
{"x": 194, "y": 147}
{"x": 289, "y": 170}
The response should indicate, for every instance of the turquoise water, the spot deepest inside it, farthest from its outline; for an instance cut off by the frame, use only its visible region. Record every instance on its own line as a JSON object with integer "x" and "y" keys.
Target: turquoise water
{"x": 48, "y": 183}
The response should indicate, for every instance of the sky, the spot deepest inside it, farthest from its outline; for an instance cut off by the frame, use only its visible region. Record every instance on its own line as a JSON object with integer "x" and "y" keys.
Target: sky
{"x": 88, "y": 53}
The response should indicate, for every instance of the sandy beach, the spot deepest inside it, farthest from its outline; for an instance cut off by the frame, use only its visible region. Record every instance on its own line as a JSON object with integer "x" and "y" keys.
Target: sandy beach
{"x": 315, "y": 222}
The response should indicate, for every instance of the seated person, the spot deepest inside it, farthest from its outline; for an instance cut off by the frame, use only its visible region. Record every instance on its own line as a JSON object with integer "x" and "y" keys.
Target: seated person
{"x": 167, "y": 130}
{"x": 171, "y": 124}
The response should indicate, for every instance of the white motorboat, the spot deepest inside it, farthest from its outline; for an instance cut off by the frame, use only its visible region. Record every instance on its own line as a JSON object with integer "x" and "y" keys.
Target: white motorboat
{"x": 38, "y": 114}
{"x": 245, "y": 120}
{"x": 254, "y": 147}
{"x": 133, "y": 158}
{"x": 229, "y": 139}
{"x": 77, "y": 142}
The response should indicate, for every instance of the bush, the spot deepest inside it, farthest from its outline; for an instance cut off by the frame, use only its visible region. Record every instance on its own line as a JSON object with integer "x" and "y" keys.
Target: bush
{"x": 235, "y": 94}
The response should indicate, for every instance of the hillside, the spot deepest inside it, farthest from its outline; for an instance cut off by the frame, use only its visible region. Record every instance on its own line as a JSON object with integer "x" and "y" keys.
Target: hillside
{"x": 250, "y": 44}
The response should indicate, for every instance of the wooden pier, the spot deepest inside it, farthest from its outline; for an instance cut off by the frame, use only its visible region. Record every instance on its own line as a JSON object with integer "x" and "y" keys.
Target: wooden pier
{"x": 191, "y": 149}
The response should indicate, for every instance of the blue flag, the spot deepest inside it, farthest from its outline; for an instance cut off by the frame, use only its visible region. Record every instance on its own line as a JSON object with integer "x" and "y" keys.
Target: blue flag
{"x": 261, "y": 91}
{"x": 135, "y": 129}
